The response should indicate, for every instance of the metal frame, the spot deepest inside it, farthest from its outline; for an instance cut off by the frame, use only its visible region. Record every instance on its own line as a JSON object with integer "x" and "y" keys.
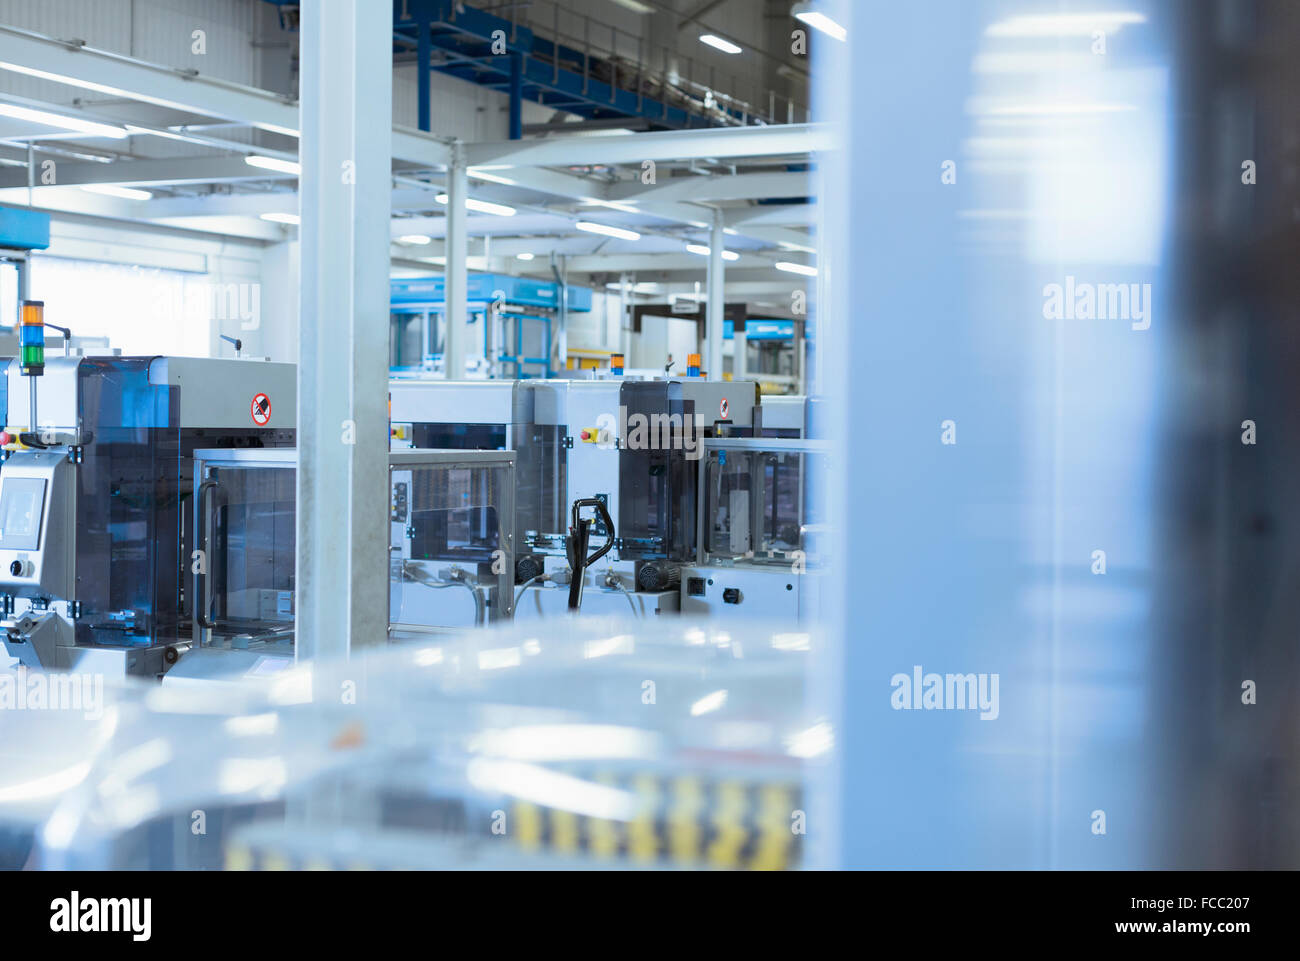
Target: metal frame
{"x": 416, "y": 459}
{"x": 793, "y": 445}
{"x": 205, "y": 459}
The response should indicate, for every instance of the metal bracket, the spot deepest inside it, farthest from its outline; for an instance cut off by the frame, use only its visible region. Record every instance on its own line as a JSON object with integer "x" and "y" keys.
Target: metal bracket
{"x": 568, "y": 443}
{"x": 75, "y": 454}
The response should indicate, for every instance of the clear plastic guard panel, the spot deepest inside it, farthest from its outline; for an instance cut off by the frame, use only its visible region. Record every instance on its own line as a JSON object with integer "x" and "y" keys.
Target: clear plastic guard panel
{"x": 443, "y": 737}
{"x": 252, "y": 541}
{"x": 451, "y": 547}
{"x": 542, "y": 486}
{"x": 760, "y": 505}
{"x": 656, "y": 482}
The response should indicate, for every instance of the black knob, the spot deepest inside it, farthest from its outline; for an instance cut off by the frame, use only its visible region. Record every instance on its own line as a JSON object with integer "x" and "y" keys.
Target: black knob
{"x": 16, "y": 568}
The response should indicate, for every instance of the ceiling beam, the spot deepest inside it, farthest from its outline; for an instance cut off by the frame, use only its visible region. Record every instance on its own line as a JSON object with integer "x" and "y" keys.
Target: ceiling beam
{"x": 716, "y": 187}
{"x": 145, "y": 173}
{"x": 85, "y": 68}
{"x": 771, "y": 215}
{"x": 680, "y": 262}
{"x": 660, "y": 145}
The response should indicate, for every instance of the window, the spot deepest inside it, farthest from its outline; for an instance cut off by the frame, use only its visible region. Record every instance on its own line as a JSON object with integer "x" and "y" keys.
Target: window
{"x": 141, "y": 310}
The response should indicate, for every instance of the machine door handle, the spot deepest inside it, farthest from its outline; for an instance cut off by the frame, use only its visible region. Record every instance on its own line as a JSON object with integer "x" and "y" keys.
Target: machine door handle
{"x": 203, "y": 576}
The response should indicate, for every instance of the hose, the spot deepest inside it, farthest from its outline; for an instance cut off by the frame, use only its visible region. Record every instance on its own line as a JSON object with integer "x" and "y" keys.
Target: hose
{"x": 618, "y": 584}
{"x": 480, "y": 606}
{"x": 527, "y": 584}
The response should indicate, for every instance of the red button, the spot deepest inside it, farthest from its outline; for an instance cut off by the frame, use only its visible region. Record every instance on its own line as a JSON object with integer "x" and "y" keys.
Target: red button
{"x": 6, "y": 437}
{"x": 586, "y": 435}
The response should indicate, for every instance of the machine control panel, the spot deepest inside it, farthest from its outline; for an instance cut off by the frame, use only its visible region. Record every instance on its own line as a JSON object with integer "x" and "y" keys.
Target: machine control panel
{"x": 36, "y": 509}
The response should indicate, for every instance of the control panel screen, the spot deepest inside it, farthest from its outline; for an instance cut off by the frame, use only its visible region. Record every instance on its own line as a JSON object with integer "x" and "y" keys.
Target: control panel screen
{"x": 22, "y": 501}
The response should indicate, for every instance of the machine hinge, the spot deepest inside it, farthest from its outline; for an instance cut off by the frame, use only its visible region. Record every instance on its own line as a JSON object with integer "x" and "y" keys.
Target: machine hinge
{"x": 74, "y": 609}
{"x": 568, "y": 443}
{"x": 75, "y": 454}
{"x": 7, "y": 604}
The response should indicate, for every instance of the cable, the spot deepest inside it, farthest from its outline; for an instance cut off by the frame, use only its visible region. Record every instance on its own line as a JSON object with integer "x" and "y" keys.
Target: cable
{"x": 618, "y": 584}
{"x": 480, "y": 608}
{"x": 527, "y": 584}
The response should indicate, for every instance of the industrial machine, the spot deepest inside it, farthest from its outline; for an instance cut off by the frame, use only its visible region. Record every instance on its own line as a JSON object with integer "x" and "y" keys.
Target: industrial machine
{"x": 761, "y": 540}
{"x": 512, "y": 324}
{"x": 95, "y": 539}
{"x": 451, "y": 552}
{"x": 626, "y": 444}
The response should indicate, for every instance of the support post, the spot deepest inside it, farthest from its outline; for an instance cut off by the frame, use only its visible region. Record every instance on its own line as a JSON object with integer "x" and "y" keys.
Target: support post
{"x": 717, "y": 298}
{"x": 457, "y": 275}
{"x": 516, "y": 96}
{"x": 346, "y": 183}
{"x": 423, "y": 57}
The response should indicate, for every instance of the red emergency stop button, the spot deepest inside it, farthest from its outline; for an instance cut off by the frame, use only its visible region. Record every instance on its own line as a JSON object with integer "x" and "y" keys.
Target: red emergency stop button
{"x": 6, "y": 438}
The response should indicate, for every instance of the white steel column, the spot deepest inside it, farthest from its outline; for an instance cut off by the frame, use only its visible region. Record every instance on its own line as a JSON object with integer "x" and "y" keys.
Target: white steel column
{"x": 345, "y": 196}
{"x": 456, "y": 338}
{"x": 717, "y": 299}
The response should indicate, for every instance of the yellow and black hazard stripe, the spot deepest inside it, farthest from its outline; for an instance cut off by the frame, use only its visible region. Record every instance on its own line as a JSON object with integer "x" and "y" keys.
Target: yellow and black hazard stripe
{"x": 685, "y": 821}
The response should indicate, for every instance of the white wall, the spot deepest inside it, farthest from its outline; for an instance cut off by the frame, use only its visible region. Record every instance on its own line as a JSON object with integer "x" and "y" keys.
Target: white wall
{"x": 662, "y": 337}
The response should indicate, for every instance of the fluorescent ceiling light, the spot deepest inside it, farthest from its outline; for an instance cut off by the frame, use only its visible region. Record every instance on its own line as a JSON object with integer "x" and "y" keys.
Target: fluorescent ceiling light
{"x": 636, "y": 6}
{"x": 276, "y": 128}
{"x": 482, "y": 206}
{"x": 786, "y": 245}
{"x": 87, "y": 127}
{"x": 112, "y": 190}
{"x": 611, "y": 204}
{"x": 61, "y": 78}
{"x": 293, "y": 219}
{"x": 704, "y": 251}
{"x": 1064, "y": 24}
{"x": 802, "y": 269}
{"x": 524, "y": 256}
{"x": 806, "y": 13}
{"x": 644, "y": 287}
{"x": 718, "y": 43}
{"x": 708, "y": 703}
{"x": 594, "y": 228}
{"x": 274, "y": 163}
{"x": 420, "y": 239}
{"x": 478, "y": 174}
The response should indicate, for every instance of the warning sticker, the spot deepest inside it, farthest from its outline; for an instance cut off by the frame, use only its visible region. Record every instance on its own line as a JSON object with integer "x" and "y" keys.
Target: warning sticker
{"x": 723, "y": 408}
{"x": 261, "y": 410}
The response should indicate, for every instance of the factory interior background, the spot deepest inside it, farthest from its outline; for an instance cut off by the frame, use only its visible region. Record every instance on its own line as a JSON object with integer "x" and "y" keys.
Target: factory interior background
{"x": 649, "y": 434}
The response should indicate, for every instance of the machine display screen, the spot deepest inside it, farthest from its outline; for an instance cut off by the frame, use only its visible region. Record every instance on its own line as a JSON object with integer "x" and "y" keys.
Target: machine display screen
{"x": 22, "y": 501}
